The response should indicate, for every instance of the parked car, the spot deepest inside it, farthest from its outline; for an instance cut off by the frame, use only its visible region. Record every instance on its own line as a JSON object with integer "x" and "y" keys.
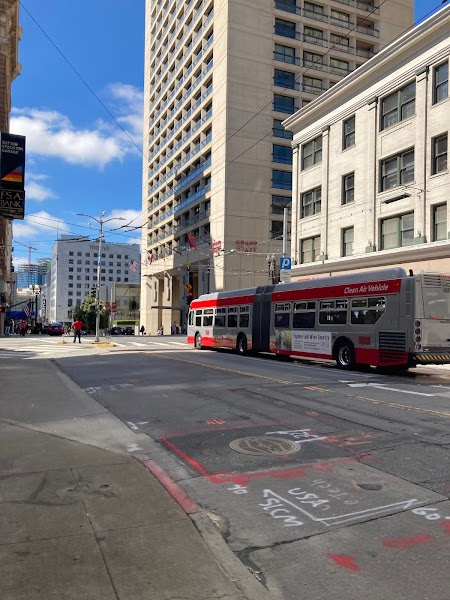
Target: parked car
{"x": 55, "y": 329}
{"x": 128, "y": 331}
{"x": 116, "y": 330}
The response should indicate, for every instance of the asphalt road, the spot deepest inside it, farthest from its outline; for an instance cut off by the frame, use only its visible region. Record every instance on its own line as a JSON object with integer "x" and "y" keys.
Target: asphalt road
{"x": 336, "y": 484}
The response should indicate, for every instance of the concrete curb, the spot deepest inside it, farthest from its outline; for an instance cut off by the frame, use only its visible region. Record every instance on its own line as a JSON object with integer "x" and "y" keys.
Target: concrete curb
{"x": 233, "y": 568}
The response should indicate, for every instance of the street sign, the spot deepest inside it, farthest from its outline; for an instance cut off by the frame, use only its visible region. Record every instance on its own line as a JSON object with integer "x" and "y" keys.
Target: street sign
{"x": 285, "y": 276}
{"x": 285, "y": 263}
{"x": 188, "y": 287}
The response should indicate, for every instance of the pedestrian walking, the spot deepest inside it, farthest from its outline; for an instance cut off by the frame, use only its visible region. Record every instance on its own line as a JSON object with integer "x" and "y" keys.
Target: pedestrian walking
{"x": 23, "y": 328}
{"x": 173, "y": 329}
{"x": 142, "y": 330}
{"x": 77, "y": 326}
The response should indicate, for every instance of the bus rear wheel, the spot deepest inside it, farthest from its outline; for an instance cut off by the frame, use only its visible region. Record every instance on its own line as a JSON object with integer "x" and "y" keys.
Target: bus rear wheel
{"x": 198, "y": 341}
{"x": 345, "y": 355}
{"x": 241, "y": 344}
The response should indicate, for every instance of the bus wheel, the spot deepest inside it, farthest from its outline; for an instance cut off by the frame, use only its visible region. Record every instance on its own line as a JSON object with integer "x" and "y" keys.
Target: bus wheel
{"x": 345, "y": 355}
{"x": 198, "y": 341}
{"x": 241, "y": 345}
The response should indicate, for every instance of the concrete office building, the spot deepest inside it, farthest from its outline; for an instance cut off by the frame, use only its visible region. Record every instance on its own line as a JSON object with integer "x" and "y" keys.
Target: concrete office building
{"x": 220, "y": 77}
{"x": 371, "y": 178}
{"x": 74, "y": 272}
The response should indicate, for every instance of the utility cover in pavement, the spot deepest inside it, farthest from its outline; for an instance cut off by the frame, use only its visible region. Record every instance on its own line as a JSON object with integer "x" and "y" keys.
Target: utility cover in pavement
{"x": 271, "y": 446}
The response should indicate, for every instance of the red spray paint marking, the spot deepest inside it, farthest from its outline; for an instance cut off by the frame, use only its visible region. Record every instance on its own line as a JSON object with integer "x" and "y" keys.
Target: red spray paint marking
{"x": 420, "y": 538}
{"x": 446, "y": 526}
{"x": 191, "y": 461}
{"x": 348, "y": 562}
{"x": 187, "y": 504}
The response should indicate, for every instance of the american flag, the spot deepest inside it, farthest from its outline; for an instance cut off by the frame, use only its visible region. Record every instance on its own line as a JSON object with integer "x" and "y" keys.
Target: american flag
{"x": 27, "y": 310}
{"x": 191, "y": 241}
{"x": 133, "y": 265}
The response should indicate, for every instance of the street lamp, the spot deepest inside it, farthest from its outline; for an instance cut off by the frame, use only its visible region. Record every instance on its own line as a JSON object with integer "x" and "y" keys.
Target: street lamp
{"x": 271, "y": 267}
{"x": 99, "y": 261}
{"x": 35, "y": 291}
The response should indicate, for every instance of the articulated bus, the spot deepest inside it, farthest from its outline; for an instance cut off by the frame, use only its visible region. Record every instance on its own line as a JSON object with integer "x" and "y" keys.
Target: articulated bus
{"x": 384, "y": 318}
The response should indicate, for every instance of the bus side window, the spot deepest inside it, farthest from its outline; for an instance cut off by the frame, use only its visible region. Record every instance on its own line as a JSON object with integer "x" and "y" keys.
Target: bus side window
{"x": 208, "y": 317}
{"x": 304, "y": 315}
{"x": 333, "y": 312}
{"x": 198, "y": 318}
{"x": 282, "y": 316}
{"x": 219, "y": 319}
{"x": 191, "y": 317}
{"x": 367, "y": 311}
{"x": 232, "y": 318}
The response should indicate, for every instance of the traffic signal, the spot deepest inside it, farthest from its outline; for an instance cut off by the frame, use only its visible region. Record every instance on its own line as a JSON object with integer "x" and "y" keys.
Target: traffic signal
{"x": 3, "y": 298}
{"x": 2, "y": 309}
{"x": 190, "y": 297}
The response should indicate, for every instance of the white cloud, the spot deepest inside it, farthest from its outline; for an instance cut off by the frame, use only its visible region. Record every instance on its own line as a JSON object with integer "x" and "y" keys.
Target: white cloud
{"x": 52, "y": 134}
{"x": 35, "y": 189}
{"x": 40, "y": 224}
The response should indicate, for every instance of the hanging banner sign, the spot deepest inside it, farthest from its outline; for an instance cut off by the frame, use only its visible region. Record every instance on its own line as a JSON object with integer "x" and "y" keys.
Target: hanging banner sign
{"x": 12, "y": 176}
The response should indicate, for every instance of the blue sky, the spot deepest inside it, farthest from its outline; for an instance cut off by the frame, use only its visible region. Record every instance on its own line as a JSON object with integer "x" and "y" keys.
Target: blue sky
{"x": 79, "y": 160}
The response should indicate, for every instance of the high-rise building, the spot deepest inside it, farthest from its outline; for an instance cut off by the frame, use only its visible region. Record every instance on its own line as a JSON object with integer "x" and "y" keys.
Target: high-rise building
{"x": 220, "y": 77}
{"x": 74, "y": 272}
{"x": 33, "y": 274}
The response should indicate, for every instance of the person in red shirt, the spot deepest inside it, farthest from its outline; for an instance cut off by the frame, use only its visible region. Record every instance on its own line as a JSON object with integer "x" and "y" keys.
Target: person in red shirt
{"x": 77, "y": 326}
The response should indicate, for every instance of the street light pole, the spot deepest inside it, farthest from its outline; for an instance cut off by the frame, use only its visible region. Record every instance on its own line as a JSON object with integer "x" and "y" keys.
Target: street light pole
{"x": 271, "y": 267}
{"x": 99, "y": 262}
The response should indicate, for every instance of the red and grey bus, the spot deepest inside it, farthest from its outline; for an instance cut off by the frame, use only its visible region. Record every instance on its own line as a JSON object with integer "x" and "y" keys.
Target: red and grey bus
{"x": 384, "y": 318}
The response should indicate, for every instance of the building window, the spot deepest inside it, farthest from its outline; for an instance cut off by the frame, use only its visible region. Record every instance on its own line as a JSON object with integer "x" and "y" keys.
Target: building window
{"x": 313, "y": 60}
{"x": 70, "y": 253}
{"x": 439, "y": 154}
{"x": 312, "y": 152}
{"x": 339, "y": 18}
{"x": 282, "y": 180}
{"x": 88, "y": 254}
{"x": 312, "y": 9}
{"x": 276, "y": 231}
{"x": 279, "y": 203}
{"x": 284, "y": 79}
{"x": 70, "y": 302}
{"x": 312, "y": 85}
{"x": 284, "y": 54}
{"x": 279, "y": 131}
{"x": 70, "y": 277}
{"x": 339, "y": 67}
{"x": 70, "y": 269}
{"x": 287, "y": 5}
{"x": 313, "y": 36}
{"x": 311, "y": 202}
{"x": 440, "y": 222}
{"x": 348, "y": 188}
{"x": 440, "y": 83}
{"x": 285, "y": 28}
{"x": 309, "y": 249}
{"x": 125, "y": 279}
{"x": 283, "y": 104}
{"x": 397, "y": 170}
{"x": 348, "y": 235}
{"x": 348, "y": 133}
{"x": 79, "y": 254}
{"x": 281, "y": 154}
{"x": 398, "y": 106}
{"x": 397, "y": 232}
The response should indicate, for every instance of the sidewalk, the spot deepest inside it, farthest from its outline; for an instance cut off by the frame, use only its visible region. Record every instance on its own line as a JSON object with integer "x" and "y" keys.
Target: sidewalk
{"x": 88, "y": 523}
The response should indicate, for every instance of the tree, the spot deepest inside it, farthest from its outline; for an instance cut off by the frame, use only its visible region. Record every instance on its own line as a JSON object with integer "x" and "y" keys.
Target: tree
{"x": 86, "y": 313}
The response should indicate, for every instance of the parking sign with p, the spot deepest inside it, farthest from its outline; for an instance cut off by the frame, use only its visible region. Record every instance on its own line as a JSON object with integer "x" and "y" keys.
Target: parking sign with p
{"x": 285, "y": 263}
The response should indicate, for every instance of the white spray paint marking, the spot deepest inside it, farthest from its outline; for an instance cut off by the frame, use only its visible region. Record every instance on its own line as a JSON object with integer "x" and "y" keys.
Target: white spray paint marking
{"x": 300, "y": 435}
{"x": 131, "y": 425}
{"x": 133, "y": 447}
{"x": 381, "y": 386}
{"x": 108, "y": 388}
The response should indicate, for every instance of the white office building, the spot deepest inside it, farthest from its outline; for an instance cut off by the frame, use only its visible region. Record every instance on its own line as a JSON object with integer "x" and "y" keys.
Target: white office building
{"x": 74, "y": 272}
{"x": 371, "y": 180}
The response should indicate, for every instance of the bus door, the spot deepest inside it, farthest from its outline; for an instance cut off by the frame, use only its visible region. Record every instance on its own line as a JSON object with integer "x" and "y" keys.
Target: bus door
{"x": 261, "y": 318}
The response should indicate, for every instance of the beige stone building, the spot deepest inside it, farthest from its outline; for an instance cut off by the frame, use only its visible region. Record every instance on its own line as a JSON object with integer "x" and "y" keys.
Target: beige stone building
{"x": 371, "y": 180}
{"x": 220, "y": 77}
{"x": 10, "y": 34}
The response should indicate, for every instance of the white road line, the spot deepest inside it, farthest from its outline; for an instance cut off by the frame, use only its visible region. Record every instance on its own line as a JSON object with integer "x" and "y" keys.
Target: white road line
{"x": 138, "y": 344}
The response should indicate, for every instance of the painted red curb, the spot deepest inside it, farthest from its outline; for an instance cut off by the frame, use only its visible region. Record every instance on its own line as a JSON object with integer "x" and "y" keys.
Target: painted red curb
{"x": 178, "y": 494}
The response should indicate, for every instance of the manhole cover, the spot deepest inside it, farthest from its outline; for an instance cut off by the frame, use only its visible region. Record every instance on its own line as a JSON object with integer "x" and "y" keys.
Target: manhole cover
{"x": 265, "y": 446}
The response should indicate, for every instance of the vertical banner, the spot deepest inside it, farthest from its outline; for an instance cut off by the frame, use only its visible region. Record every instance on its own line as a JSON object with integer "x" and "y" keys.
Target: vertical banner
{"x": 12, "y": 176}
